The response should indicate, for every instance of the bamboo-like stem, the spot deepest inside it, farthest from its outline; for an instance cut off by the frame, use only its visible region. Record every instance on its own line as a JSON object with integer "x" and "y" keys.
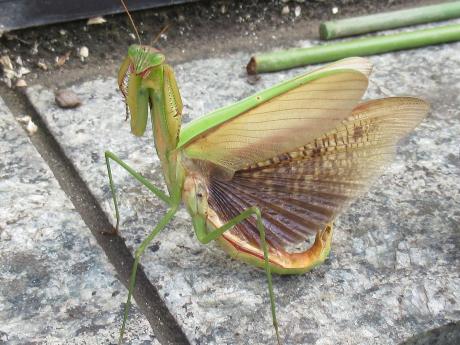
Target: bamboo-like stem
{"x": 279, "y": 60}
{"x": 389, "y": 20}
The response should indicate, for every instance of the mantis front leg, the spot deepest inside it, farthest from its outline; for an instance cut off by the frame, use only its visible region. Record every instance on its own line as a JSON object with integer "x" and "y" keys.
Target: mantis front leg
{"x": 155, "y": 190}
{"x": 137, "y": 256}
{"x": 161, "y": 225}
{"x": 205, "y": 237}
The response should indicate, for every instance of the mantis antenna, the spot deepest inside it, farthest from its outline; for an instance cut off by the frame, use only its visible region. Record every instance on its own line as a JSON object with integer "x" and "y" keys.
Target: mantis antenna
{"x": 159, "y": 34}
{"x": 132, "y": 21}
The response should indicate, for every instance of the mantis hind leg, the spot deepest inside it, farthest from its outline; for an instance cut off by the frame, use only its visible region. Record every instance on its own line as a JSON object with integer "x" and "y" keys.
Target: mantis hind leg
{"x": 205, "y": 237}
{"x": 137, "y": 256}
{"x": 155, "y": 190}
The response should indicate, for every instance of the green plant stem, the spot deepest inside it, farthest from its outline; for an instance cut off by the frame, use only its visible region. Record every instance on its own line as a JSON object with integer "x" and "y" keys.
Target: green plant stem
{"x": 285, "y": 59}
{"x": 389, "y": 20}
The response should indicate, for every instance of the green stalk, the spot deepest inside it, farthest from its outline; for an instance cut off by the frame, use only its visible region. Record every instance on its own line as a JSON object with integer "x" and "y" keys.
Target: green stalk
{"x": 285, "y": 59}
{"x": 389, "y": 20}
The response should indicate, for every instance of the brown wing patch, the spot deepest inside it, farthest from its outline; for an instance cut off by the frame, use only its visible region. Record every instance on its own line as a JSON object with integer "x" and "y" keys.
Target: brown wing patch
{"x": 301, "y": 191}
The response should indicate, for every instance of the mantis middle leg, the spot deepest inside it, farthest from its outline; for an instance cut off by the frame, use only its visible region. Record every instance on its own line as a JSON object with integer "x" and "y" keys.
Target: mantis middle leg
{"x": 155, "y": 190}
{"x": 205, "y": 237}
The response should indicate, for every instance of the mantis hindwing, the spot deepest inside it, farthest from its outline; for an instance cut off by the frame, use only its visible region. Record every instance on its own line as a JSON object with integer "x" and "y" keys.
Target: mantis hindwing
{"x": 265, "y": 173}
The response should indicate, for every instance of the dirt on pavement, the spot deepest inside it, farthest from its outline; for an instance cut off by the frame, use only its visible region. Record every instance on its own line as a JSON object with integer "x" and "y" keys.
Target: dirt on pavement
{"x": 194, "y": 30}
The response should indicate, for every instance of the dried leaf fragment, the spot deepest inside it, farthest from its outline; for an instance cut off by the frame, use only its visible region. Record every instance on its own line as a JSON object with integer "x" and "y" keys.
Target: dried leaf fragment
{"x": 96, "y": 20}
{"x": 7, "y": 82}
{"x": 61, "y": 60}
{"x": 5, "y": 61}
{"x": 31, "y": 127}
{"x": 67, "y": 99}
{"x": 34, "y": 50}
{"x": 24, "y": 119}
{"x": 22, "y": 71}
{"x": 41, "y": 64}
{"x": 8, "y": 70}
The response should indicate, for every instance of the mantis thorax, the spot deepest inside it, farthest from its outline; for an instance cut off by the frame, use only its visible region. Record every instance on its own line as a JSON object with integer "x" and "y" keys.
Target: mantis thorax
{"x": 148, "y": 84}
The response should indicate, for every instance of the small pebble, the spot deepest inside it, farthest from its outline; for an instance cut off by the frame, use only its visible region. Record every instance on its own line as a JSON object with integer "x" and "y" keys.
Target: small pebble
{"x": 67, "y": 99}
{"x": 285, "y": 10}
{"x": 83, "y": 52}
{"x": 297, "y": 11}
{"x": 21, "y": 83}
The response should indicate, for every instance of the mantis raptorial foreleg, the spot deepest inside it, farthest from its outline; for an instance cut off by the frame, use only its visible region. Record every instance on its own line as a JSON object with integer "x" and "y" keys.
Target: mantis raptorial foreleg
{"x": 205, "y": 237}
{"x": 155, "y": 190}
{"x": 145, "y": 243}
{"x": 161, "y": 225}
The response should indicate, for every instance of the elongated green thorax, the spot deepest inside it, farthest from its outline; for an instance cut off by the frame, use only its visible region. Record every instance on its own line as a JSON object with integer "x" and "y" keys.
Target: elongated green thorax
{"x": 148, "y": 83}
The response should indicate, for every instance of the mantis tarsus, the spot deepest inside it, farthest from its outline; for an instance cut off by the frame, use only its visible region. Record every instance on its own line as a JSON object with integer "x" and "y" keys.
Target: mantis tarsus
{"x": 271, "y": 170}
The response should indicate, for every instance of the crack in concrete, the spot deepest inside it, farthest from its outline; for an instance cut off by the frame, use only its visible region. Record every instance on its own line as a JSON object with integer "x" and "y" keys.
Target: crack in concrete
{"x": 164, "y": 326}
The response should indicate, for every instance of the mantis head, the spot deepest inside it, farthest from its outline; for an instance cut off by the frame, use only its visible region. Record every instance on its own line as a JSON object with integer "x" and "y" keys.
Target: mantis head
{"x": 135, "y": 77}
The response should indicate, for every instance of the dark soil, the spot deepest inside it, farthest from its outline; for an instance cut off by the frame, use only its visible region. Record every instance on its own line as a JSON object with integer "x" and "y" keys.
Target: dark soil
{"x": 194, "y": 30}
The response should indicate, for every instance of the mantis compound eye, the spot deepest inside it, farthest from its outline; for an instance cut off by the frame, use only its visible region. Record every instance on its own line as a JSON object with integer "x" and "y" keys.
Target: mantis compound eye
{"x": 201, "y": 191}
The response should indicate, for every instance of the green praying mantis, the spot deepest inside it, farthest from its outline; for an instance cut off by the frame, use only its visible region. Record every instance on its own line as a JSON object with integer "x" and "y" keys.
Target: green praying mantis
{"x": 269, "y": 171}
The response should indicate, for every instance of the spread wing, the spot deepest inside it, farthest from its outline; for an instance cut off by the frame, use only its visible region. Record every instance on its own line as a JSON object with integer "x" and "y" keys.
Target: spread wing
{"x": 279, "y": 119}
{"x": 301, "y": 190}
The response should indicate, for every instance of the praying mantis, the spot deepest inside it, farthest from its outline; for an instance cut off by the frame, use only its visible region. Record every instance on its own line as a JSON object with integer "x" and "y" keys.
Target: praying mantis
{"x": 269, "y": 171}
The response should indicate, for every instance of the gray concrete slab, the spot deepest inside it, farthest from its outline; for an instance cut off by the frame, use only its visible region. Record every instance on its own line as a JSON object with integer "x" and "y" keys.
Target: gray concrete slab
{"x": 393, "y": 271}
{"x": 57, "y": 286}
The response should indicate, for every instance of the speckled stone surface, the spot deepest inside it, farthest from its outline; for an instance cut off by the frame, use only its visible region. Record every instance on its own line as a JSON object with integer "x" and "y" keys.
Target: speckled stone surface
{"x": 394, "y": 267}
{"x": 56, "y": 284}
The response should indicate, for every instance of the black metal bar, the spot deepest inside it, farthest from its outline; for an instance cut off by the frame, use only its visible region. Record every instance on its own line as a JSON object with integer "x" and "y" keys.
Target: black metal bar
{"x": 18, "y": 14}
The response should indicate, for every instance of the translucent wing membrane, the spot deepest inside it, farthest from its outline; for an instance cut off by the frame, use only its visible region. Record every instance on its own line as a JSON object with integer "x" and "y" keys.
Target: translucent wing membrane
{"x": 302, "y": 190}
{"x": 281, "y": 124}
{"x": 355, "y": 63}
{"x": 200, "y": 127}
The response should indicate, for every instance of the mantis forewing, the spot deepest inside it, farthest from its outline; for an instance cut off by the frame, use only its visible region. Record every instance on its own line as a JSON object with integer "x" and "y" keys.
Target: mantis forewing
{"x": 268, "y": 171}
